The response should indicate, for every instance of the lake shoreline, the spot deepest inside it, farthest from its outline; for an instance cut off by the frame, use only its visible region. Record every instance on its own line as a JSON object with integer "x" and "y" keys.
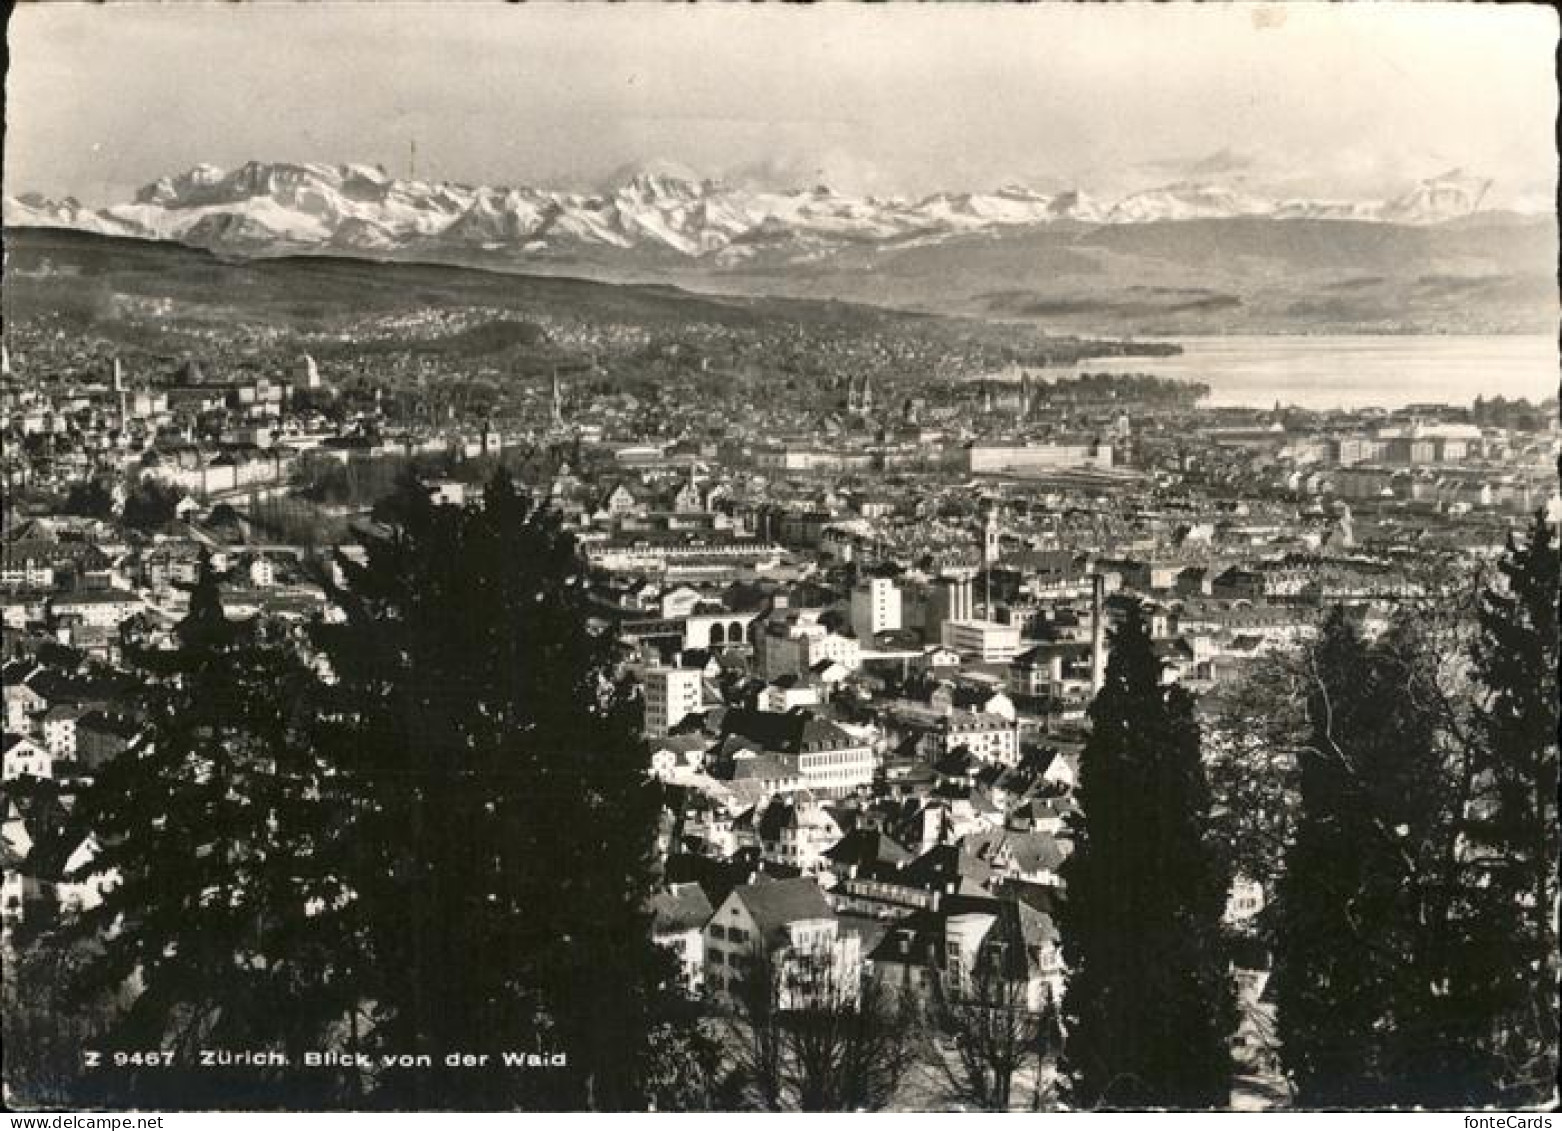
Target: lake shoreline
{"x": 1349, "y": 372}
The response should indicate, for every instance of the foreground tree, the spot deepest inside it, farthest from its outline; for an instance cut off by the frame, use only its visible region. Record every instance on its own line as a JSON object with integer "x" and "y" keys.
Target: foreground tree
{"x": 1339, "y": 931}
{"x": 205, "y": 840}
{"x": 45, "y": 1029}
{"x": 1250, "y": 758}
{"x": 1513, "y": 823}
{"x": 810, "y": 1032}
{"x": 1149, "y": 1011}
{"x": 1399, "y": 976}
{"x": 502, "y": 822}
{"x": 984, "y": 1013}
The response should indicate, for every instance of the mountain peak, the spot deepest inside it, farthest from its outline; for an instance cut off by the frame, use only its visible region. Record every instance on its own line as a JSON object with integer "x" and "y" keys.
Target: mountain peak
{"x": 659, "y": 206}
{"x": 648, "y": 171}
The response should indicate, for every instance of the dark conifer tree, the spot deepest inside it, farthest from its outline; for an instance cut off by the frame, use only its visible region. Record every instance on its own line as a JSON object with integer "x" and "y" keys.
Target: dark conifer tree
{"x": 502, "y": 825}
{"x": 1331, "y": 980}
{"x": 1149, "y": 1012}
{"x": 214, "y": 929}
{"x": 1383, "y": 983}
{"x": 1514, "y": 817}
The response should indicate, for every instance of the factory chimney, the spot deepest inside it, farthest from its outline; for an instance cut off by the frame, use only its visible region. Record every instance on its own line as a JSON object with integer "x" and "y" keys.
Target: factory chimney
{"x": 1097, "y": 632}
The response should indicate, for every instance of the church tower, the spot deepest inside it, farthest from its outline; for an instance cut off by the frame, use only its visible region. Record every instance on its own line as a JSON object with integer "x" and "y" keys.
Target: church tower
{"x": 558, "y": 403}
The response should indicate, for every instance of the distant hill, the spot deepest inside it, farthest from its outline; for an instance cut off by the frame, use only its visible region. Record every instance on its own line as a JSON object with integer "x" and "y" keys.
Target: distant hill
{"x": 168, "y": 298}
{"x": 1493, "y": 274}
{"x": 82, "y": 274}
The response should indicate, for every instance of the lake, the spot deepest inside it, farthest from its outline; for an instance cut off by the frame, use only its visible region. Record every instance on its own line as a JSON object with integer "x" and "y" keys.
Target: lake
{"x": 1356, "y": 371}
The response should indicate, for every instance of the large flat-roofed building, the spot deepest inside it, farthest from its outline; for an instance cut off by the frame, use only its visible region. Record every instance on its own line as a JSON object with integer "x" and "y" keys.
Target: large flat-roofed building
{"x": 988, "y": 641}
{"x": 989, "y": 458}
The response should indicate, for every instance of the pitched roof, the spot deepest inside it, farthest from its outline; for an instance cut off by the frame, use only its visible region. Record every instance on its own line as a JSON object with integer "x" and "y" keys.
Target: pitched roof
{"x": 774, "y": 904}
{"x": 12, "y": 741}
{"x": 682, "y": 907}
{"x": 1031, "y": 852}
{"x": 761, "y": 767}
{"x": 791, "y": 732}
{"x": 867, "y": 846}
{"x": 945, "y": 864}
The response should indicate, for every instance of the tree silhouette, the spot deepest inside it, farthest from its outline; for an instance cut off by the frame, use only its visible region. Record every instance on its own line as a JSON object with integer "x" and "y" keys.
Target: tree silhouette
{"x": 502, "y": 821}
{"x": 1149, "y": 1010}
{"x": 809, "y": 1032}
{"x": 985, "y": 1013}
{"x": 1398, "y": 973}
{"x": 1514, "y": 815}
{"x": 209, "y": 834}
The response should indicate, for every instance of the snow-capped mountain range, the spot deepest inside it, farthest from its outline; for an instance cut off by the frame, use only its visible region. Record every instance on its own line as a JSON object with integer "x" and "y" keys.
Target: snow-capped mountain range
{"x": 259, "y": 207}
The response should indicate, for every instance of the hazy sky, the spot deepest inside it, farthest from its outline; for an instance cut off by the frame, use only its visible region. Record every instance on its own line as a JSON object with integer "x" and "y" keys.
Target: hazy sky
{"x": 1348, "y": 100}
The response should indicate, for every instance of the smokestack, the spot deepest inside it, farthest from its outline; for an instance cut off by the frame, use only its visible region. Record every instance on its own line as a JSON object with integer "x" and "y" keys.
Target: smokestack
{"x": 1097, "y": 632}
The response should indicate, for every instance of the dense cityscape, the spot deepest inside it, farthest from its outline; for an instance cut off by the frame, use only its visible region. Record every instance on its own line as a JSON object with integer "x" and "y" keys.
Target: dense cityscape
{"x": 500, "y": 629}
{"x": 865, "y": 587}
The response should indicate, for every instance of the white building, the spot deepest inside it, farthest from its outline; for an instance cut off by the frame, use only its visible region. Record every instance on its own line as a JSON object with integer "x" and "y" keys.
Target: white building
{"x": 26, "y": 758}
{"x": 989, "y": 738}
{"x": 838, "y": 649}
{"x": 985, "y": 458}
{"x": 787, "y": 925}
{"x": 670, "y": 695}
{"x": 679, "y": 915}
{"x": 988, "y": 641}
{"x": 875, "y": 608}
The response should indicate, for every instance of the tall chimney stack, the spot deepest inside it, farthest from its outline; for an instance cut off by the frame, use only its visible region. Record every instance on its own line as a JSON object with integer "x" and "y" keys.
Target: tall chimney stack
{"x": 1097, "y": 632}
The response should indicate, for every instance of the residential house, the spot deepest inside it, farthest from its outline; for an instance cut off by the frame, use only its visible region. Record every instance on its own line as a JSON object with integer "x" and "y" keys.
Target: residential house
{"x": 678, "y": 917}
{"x": 779, "y": 928}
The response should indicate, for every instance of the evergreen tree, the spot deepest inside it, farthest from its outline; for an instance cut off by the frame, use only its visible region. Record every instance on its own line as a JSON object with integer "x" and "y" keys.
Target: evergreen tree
{"x": 1514, "y": 817}
{"x": 1387, "y": 965}
{"x": 150, "y": 503}
{"x": 1150, "y": 1010}
{"x": 1331, "y": 979}
{"x": 90, "y": 498}
{"x": 502, "y": 825}
{"x": 208, "y": 832}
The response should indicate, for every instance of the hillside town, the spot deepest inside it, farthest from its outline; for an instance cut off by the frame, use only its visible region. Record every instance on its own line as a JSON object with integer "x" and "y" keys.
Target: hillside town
{"x": 866, "y": 616}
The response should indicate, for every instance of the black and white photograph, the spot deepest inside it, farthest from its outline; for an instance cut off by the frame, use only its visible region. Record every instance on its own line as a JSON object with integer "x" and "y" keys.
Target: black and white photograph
{"x": 740, "y": 558}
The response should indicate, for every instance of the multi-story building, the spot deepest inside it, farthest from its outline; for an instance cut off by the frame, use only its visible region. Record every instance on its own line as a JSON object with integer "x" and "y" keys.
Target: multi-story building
{"x": 784, "y": 931}
{"x": 988, "y": 641}
{"x": 983, "y": 458}
{"x": 989, "y": 738}
{"x": 875, "y": 608}
{"x": 671, "y": 694}
{"x": 828, "y": 759}
{"x": 678, "y": 918}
